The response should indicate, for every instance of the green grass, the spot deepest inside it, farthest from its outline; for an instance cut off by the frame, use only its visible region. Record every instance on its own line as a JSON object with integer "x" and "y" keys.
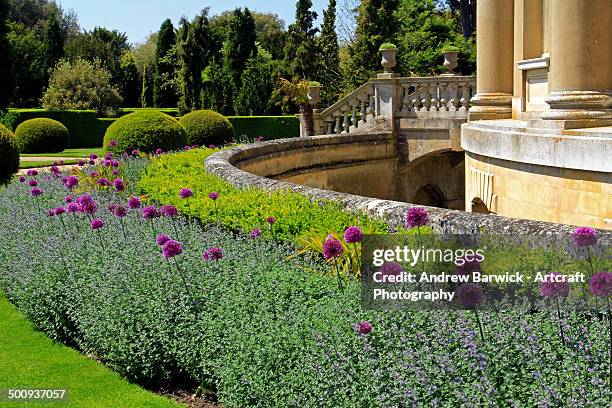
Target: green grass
{"x": 80, "y": 153}
{"x": 24, "y": 164}
{"x": 28, "y": 359}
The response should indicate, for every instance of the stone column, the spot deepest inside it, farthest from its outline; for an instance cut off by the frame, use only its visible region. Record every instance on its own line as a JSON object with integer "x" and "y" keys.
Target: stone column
{"x": 580, "y": 62}
{"x": 495, "y": 60}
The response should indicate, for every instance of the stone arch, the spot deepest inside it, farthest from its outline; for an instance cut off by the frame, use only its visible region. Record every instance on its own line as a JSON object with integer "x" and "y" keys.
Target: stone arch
{"x": 431, "y": 195}
{"x": 478, "y": 206}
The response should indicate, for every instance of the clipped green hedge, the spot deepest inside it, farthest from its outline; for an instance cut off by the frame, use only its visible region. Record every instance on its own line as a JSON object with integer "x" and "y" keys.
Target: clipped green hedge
{"x": 9, "y": 154}
{"x": 126, "y": 111}
{"x": 270, "y": 127}
{"x": 206, "y": 127}
{"x": 42, "y": 135}
{"x": 146, "y": 131}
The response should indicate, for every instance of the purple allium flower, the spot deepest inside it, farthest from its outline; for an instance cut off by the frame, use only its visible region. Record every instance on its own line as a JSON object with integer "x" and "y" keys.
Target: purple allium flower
{"x": 469, "y": 265}
{"x": 213, "y": 196}
{"x": 364, "y": 327}
{"x": 150, "y": 212}
{"x": 97, "y": 224}
{"x": 213, "y": 254}
{"x": 72, "y": 181}
{"x": 255, "y": 233}
{"x": 115, "y": 172}
{"x": 64, "y": 180}
{"x": 114, "y": 163}
{"x": 158, "y": 151}
{"x": 22, "y": 179}
{"x": 91, "y": 162}
{"x": 162, "y": 239}
{"x": 584, "y": 236}
{"x": 332, "y": 248}
{"x": 391, "y": 268}
{"x": 134, "y": 202}
{"x": 93, "y": 156}
{"x": 55, "y": 170}
{"x": 106, "y": 163}
{"x": 51, "y": 213}
{"x": 68, "y": 199}
{"x": 271, "y": 220}
{"x": 352, "y": 235}
{"x": 119, "y": 185}
{"x": 32, "y": 172}
{"x": 185, "y": 193}
{"x": 32, "y": 183}
{"x": 172, "y": 248}
{"x": 61, "y": 162}
{"x": 72, "y": 208}
{"x": 186, "y": 147}
{"x": 469, "y": 294}
{"x": 59, "y": 210}
{"x": 112, "y": 143}
{"x": 416, "y": 217}
{"x": 169, "y": 211}
{"x": 211, "y": 146}
{"x": 93, "y": 174}
{"x": 552, "y": 288}
{"x": 109, "y": 156}
{"x": 104, "y": 182}
{"x": 260, "y": 138}
{"x": 81, "y": 163}
{"x": 134, "y": 152}
{"x": 86, "y": 204}
{"x": 600, "y": 284}
{"x": 36, "y": 192}
{"x": 120, "y": 211}
{"x": 111, "y": 208}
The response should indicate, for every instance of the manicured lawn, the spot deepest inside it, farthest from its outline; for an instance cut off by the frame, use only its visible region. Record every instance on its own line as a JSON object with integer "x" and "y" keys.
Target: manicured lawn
{"x": 28, "y": 359}
{"x": 69, "y": 153}
{"x": 25, "y": 164}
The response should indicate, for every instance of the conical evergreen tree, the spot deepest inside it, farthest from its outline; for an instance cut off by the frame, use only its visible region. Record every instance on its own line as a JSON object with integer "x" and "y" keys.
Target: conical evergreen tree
{"x": 302, "y": 49}
{"x": 164, "y": 94}
{"x": 6, "y": 58}
{"x": 330, "y": 75}
{"x": 53, "y": 42}
{"x": 130, "y": 83}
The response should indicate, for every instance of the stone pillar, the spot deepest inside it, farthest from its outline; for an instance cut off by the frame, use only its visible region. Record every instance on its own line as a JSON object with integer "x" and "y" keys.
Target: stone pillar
{"x": 580, "y": 63}
{"x": 386, "y": 88}
{"x": 495, "y": 60}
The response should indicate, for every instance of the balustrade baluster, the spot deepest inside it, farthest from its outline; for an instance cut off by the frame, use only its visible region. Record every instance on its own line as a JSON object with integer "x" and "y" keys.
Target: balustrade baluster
{"x": 371, "y": 106}
{"x": 444, "y": 86}
{"x": 362, "y": 111}
{"x": 345, "y": 123}
{"x": 337, "y": 129}
{"x": 329, "y": 127}
{"x": 354, "y": 115}
{"x": 435, "y": 97}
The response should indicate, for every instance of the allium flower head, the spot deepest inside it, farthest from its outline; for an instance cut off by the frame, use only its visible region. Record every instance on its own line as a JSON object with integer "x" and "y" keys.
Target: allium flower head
{"x": 469, "y": 294}
{"x": 584, "y": 236}
{"x": 91, "y": 162}
{"x": 112, "y": 143}
{"x": 162, "y": 239}
{"x": 36, "y": 192}
{"x": 32, "y": 183}
{"x": 115, "y": 172}
{"x": 32, "y": 172}
{"x": 416, "y": 217}
{"x": 271, "y": 220}
{"x": 120, "y": 211}
{"x": 55, "y": 170}
{"x": 150, "y": 212}
{"x": 134, "y": 202}
{"x": 134, "y": 152}
{"x": 97, "y": 224}
{"x": 391, "y": 268}
{"x": 260, "y": 138}
{"x": 72, "y": 181}
{"x": 22, "y": 179}
{"x": 352, "y": 235}
{"x": 72, "y": 208}
{"x": 551, "y": 288}
{"x": 119, "y": 185}
{"x": 114, "y": 163}
{"x": 213, "y": 254}
{"x": 93, "y": 156}
{"x": 104, "y": 182}
{"x": 213, "y": 196}
{"x": 255, "y": 233}
{"x": 81, "y": 163}
{"x": 600, "y": 284}
{"x": 59, "y": 210}
{"x": 468, "y": 266}
{"x": 332, "y": 248}
{"x": 172, "y": 248}
{"x": 185, "y": 193}
{"x": 86, "y": 204}
{"x": 211, "y": 146}
{"x": 68, "y": 199}
{"x": 109, "y": 156}
{"x": 364, "y": 327}
{"x": 158, "y": 151}
{"x": 169, "y": 211}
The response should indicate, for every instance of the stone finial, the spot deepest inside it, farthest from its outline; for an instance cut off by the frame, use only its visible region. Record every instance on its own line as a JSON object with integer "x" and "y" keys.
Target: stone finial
{"x": 388, "y": 52}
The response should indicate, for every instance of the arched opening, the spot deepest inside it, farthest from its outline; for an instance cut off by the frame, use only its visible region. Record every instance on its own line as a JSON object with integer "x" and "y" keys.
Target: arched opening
{"x": 478, "y": 206}
{"x": 430, "y": 195}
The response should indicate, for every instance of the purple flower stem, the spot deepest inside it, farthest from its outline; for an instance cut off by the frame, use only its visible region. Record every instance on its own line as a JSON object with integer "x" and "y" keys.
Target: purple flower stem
{"x": 123, "y": 229}
{"x": 590, "y": 260}
{"x": 101, "y": 240}
{"x": 178, "y": 237}
{"x": 184, "y": 282}
{"x": 479, "y": 325}
{"x": 338, "y": 275}
{"x": 559, "y": 321}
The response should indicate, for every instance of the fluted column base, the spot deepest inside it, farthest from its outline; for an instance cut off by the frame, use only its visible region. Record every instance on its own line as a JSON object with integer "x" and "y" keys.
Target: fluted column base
{"x": 490, "y": 105}
{"x": 579, "y": 105}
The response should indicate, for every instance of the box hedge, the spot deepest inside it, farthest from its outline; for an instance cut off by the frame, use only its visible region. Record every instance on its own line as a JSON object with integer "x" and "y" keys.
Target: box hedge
{"x": 270, "y": 127}
{"x": 9, "y": 154}
{"x": 42, "y": 135}
{"x": 206, "y": 127}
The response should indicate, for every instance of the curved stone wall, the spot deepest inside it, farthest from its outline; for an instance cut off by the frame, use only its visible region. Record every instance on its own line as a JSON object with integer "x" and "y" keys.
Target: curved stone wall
{"x": 263, "y": 158}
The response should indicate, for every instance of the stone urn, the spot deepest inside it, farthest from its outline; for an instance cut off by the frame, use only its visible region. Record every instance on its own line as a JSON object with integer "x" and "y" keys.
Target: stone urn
{"x": 450, "y": 61}
{"x": 388, "y": 52}
{"x": 314, "y": 93}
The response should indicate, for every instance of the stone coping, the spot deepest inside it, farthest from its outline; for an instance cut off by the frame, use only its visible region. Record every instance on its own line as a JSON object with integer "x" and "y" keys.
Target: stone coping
{"x": 510, "y": 140}
{"x": 393, "y": 213}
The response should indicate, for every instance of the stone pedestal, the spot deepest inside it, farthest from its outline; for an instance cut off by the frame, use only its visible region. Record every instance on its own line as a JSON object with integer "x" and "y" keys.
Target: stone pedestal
{"x": 385, "y": 95}
{"x": 495, "y": 59}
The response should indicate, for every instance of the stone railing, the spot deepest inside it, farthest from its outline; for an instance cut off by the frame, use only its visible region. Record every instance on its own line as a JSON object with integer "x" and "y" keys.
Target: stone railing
{"x": 395, "y": 97}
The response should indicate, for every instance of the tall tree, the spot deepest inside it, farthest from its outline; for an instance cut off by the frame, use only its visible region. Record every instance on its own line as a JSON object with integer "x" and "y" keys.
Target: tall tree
{"x": 376, "y": 24}
{"x": 53, "y": 42}
{"x": 330, "y": 55}
{"x": 301, "y": 49}
{"x": 164, "y": 94}
{"x": 6, "y": 57}
{"x": 130, "y": 81}
{"x": 28, "y": 55}
{"x": 466, "y": 11}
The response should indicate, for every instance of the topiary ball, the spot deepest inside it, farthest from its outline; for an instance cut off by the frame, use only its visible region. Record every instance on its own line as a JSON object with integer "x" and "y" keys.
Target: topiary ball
{"x": 42, "y": 135}
{"x": 205, "y": 128}
{"x": 9, "y": 155}
{"x": 145, "y": 131}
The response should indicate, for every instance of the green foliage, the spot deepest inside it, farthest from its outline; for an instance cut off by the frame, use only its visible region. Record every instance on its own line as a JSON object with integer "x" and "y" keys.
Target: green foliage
{"x": 30, "y": 79}
{"x": 376, "y": 24}
{"x": 145, "y": 130}
{"x": 6, "y": 57}
{"x": 9, "y": 154}
{"x": 297, "y": 217}
{"x": 81, "y": 85}
{"x": 388, "y": 46}
{"x": 130, "y": 81}
{"x": 42, "y": 135}
{"x": 330, "y": 74}
{"x": 164, "y": 93}
{"x": 302, "y": 49}
{"x": 255, "y": 96}
{"x": 215, "y": 85}
{"x": 205, "y": 128}
{"x": 269, "y": 127}
{"x": 53, "y": 42}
